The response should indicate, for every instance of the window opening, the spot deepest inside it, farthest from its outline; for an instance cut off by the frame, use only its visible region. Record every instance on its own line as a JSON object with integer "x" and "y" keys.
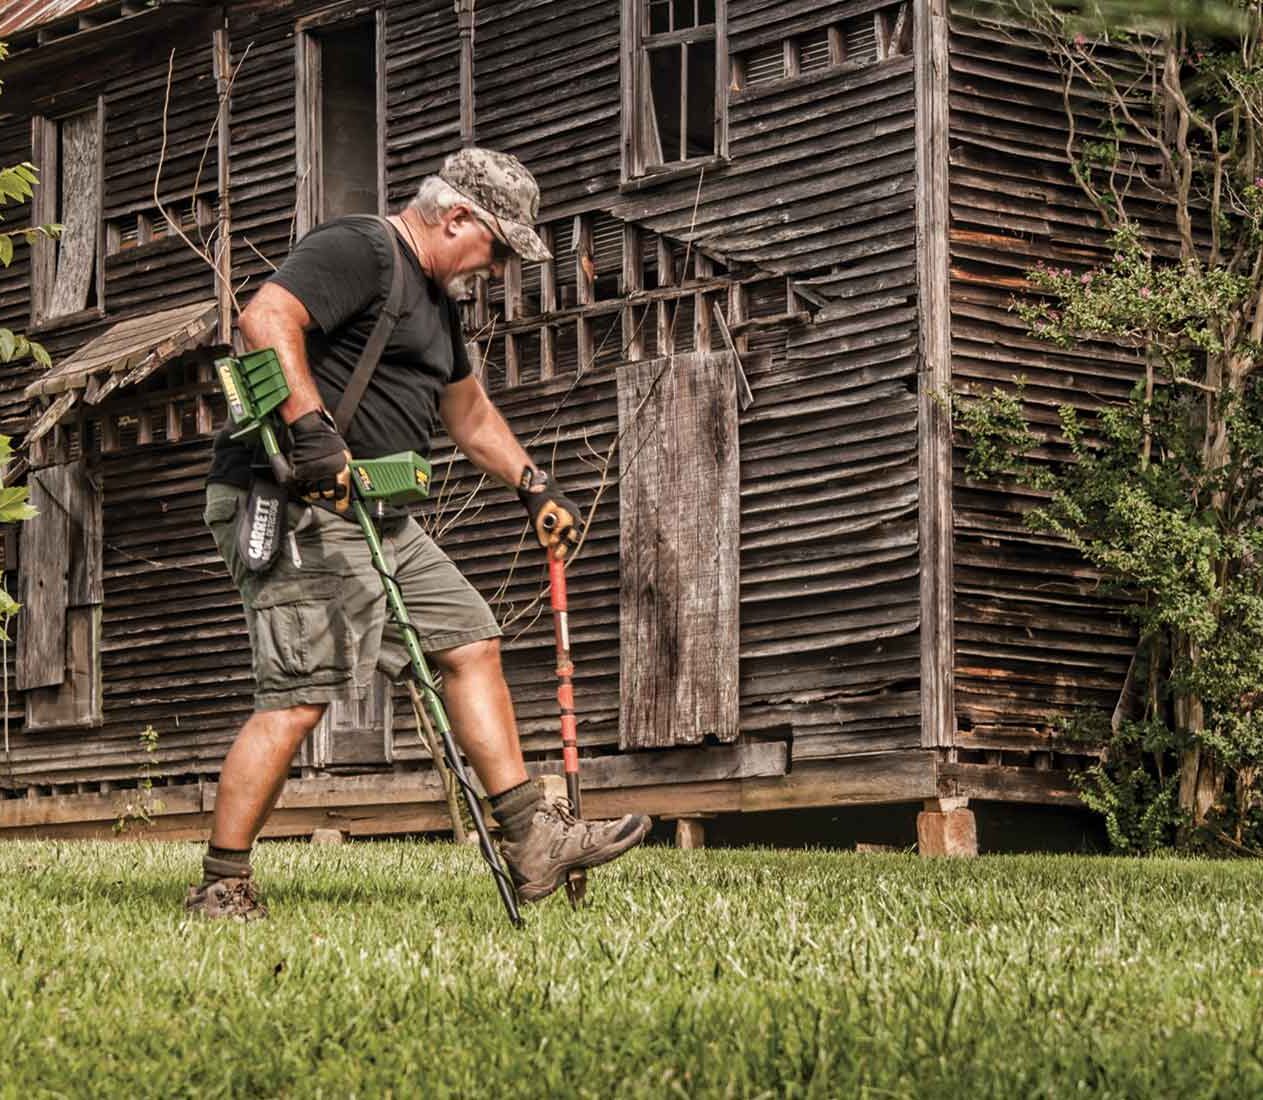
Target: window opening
{"x": 674, "y": 47}
{"x": 348, "y": 120}
{"x": 340, "y": 108}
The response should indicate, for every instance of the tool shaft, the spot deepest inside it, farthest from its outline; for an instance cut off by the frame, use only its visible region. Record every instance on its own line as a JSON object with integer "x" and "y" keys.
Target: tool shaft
{"x": 435, "y": 710}
{"x": 565, "y": 679}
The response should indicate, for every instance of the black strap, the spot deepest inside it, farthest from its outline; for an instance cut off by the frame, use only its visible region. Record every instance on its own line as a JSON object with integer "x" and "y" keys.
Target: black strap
{"x": 377, "y": 340}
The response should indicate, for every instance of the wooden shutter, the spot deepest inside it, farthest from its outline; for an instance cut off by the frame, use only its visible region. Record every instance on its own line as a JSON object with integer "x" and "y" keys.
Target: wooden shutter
{"x": 680, "y": 551}
{"x": 60, "y": 590}
{"x": 43, "y": 589}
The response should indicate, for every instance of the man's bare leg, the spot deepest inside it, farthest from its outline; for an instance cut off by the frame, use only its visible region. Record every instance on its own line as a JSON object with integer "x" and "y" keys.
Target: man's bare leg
{"x": 250, "y": 782}
{"x": 541, "y": 843}
{"x": 255, "y": 771}
{"x": 481, "y": 711}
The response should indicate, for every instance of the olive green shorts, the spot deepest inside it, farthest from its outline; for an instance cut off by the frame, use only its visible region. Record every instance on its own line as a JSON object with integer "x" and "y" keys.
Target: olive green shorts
{"x": 317, "y": 618}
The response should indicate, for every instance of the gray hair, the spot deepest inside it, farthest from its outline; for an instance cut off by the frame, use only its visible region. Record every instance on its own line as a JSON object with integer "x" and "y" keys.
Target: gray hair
{"x": 434, "y": 198}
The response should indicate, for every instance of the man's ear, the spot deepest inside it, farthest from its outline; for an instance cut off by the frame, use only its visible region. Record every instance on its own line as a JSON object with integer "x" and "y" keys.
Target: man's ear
{"x": 457, "y": 217}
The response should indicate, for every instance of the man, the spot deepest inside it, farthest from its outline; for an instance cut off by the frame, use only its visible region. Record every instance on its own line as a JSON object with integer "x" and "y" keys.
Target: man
{"x": 317, "y": 615}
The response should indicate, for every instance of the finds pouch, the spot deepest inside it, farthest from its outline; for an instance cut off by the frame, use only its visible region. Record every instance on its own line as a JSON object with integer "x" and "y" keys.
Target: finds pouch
{"x": 262, "y": 523}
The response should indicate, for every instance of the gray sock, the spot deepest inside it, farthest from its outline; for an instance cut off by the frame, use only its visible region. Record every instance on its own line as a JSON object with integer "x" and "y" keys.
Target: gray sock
{"x": 514, "y": 808}
{"x": 224, "y": 863}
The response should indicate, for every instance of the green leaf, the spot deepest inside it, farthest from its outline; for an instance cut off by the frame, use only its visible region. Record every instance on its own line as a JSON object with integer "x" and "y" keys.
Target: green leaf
{"x": 14, "y": 185}
{"x": 40, "y": 354}
{"x": 6, "y": 249}
{"x": 8, "y": 344}
{"x": 8, "y": 605}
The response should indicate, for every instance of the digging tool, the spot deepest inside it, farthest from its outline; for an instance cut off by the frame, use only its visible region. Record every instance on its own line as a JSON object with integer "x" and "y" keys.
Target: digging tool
{"x": 576, "y": 881}
{"x": 255, "y": 388}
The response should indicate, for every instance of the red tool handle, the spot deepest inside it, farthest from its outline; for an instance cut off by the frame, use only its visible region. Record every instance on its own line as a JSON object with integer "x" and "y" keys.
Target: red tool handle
{"x": 565, "y": 678}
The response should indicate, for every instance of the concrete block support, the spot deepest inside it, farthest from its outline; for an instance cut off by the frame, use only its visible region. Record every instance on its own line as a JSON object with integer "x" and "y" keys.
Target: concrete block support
{"x": 327, "y": 836}
{"x": 946, "y": 827}
{"x": 690, "y": 832}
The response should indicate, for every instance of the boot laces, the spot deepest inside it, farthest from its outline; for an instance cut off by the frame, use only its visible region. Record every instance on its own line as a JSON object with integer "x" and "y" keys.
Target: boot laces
{"x": 560, "y": 807}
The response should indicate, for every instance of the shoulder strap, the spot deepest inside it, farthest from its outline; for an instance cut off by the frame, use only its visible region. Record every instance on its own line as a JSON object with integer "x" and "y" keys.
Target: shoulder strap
{"x": 377, "y": 340}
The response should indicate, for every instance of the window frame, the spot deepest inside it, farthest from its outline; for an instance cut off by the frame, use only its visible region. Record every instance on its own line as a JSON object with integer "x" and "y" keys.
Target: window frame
{"x": 308, "y": 106}
{"x": 44, "y": 252}
{"x": 638, "y": 93}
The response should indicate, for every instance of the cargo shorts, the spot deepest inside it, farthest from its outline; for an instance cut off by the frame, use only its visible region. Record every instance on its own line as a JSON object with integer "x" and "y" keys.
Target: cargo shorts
{"x": 317, "y": 618}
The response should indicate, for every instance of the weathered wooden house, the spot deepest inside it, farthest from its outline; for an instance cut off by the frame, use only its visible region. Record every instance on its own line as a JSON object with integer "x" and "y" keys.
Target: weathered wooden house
{"x": 782, "y": 232}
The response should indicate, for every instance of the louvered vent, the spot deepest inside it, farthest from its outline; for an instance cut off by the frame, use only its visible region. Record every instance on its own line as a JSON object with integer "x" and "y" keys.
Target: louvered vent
{"x": 765, "y": 65}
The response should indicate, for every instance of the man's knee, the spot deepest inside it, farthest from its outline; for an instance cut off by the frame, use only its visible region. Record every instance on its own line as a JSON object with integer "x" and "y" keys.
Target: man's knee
{"x": 481, "y": 654}
{"x": 293, "y": 723}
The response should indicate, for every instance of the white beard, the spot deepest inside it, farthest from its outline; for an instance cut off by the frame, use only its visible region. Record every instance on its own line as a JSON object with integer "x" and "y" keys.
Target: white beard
{"x": 461, "y": 287}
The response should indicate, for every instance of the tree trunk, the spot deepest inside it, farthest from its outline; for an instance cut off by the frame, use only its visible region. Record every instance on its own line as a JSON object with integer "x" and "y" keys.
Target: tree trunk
{"x": 1201, "y": 776}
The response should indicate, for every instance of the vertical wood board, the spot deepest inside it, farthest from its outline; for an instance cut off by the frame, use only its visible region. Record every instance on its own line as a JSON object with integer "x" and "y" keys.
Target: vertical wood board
{"x": 43, "y": 591}
{"x": 76, "y": 702}
{"x": 680, "y": 551}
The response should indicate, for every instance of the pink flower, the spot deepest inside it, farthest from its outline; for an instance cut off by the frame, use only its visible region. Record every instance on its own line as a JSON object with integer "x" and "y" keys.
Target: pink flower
{"x": 1080, "y": 40}
{"x": 1085, "y": 278}
{"x": 1258, "y": 181}
{"x": 1145, "y": 292}
{"x": 1066, "y": 272}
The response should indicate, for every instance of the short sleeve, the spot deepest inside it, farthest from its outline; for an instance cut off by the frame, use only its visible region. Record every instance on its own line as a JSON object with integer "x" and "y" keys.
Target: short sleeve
{"x": 460, "y": 357}
{"x": 335, "y": 271}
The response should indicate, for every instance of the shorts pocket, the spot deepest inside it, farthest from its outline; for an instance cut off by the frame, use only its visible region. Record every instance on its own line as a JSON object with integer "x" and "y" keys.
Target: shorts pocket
{"x": 219, "y": 509}
{"x": 220, "y": 514}
{"x": 301, "y": 633}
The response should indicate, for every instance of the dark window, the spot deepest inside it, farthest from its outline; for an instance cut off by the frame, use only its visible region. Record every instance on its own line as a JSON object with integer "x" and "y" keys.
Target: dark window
{"x": 674, "y": 49}
{"x": 339, "y": 148}
{"x": 348, "y": 120}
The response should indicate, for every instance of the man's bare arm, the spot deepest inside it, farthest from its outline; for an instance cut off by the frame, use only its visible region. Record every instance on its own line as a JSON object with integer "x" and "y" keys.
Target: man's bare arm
{"x": 276, "y": 319}
{"x": 479, "y": 430}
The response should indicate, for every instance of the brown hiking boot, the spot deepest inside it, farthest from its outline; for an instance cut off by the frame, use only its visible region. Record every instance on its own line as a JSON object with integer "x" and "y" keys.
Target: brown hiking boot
{"x": 226, "y": 898}
{"x": 558, "y": 842}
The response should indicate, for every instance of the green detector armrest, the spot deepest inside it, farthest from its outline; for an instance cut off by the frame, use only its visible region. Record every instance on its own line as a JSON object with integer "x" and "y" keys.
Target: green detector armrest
{"x": 402, "y": 478}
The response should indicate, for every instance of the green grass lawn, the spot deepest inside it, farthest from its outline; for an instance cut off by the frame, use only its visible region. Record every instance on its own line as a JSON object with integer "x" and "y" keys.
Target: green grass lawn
{"x": 388, "y": 970}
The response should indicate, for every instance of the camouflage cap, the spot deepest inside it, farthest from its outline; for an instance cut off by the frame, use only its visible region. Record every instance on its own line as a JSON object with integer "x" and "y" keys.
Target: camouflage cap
{"x": 503, "y": 192}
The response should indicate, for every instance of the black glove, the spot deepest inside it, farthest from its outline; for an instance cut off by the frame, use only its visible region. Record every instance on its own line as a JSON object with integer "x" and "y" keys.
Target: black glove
{"x": 555, "y": 517}
{"x": 319, "y": 456}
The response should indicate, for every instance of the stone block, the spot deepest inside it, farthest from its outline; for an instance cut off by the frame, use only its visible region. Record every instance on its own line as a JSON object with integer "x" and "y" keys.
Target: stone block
{"x": 953, "y": 833}
{"x": 327, "y": 836}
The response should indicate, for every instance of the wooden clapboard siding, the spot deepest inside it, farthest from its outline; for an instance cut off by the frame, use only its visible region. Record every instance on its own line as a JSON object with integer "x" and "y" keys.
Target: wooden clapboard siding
{"x": 821, "y": 174}
{"x": 134, "y": 129}
{"x": 15, "y": 280}
{"x": 679, "y": 542}
{"x": 829, "y": 582}
{"x": 758, "y": 22}
{"x": 546, "y": 80}
{"x": 1035, "y": 637}
{"x": 422, "y": 91}
{"x": 166, "y": 267}
{"x": 570, "y": 426}
{"x": 262, "y": 153}
{"x": 174, "y": 647}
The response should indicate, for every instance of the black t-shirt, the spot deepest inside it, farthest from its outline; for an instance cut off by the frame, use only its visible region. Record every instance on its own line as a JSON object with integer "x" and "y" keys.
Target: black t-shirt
{"x": 341, "y": 271}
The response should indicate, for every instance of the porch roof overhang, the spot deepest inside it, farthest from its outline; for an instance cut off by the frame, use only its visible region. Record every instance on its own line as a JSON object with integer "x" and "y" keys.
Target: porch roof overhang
{"x": 124, "y": 354}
